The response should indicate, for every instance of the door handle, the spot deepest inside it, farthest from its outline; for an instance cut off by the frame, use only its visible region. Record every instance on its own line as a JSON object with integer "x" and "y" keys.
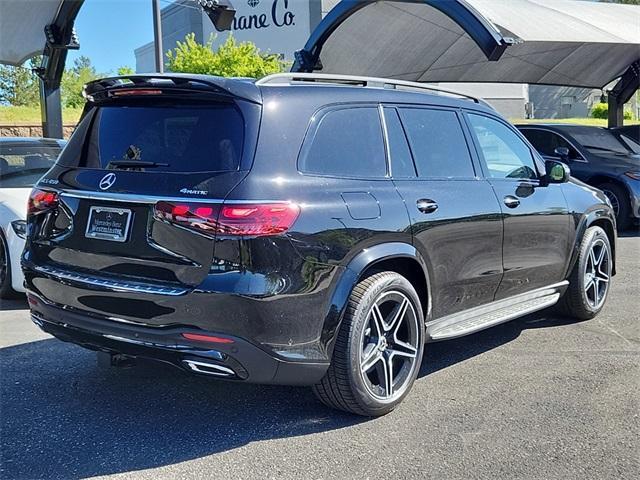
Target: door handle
{"x": 426, "y": 206}
{"x": 511, "y": 201}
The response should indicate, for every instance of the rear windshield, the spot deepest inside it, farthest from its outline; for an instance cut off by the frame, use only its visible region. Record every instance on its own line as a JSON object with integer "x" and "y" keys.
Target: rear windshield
{"x": 172, "y": 138}
{"x": 22, "y": 165}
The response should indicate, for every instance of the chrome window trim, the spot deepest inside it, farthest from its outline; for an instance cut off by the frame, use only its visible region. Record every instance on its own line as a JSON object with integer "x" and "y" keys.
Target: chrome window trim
{"x": 385, "y": 136}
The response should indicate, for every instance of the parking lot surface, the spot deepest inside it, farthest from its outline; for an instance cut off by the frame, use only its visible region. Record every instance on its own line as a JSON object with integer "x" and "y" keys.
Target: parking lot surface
{"x": 539, "y": 397}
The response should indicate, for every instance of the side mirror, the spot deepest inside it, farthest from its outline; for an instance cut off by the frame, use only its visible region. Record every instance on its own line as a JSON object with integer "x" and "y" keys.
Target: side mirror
{"x": 556, "y": 172}
{"x": 562, "y": 153}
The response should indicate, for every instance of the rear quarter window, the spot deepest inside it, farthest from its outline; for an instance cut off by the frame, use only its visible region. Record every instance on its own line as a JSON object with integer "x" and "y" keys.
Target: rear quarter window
{"x": 346, "y": 143}
{"x": 181, "y": 139}
{"x": 437, "y": 142}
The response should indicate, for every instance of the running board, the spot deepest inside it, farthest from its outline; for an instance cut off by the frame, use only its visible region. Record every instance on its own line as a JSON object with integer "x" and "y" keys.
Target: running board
{"x": 494, "y": 313}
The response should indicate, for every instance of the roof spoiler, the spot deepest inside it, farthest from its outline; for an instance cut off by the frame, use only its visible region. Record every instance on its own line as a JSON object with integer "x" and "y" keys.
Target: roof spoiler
{"x": 231, "y": 87}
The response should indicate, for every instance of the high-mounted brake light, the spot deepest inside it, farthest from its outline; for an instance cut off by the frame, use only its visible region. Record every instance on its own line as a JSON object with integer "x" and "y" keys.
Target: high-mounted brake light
{"x": 41, "y": 200}
{"x": 230, "y": 219}
{"x": 134, "y": 91}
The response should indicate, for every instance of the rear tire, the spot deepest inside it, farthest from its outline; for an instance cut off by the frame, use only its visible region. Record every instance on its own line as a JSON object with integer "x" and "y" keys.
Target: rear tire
{"x": 378, "y": 348}
{"x": 590, "y": 278}
{"x": 619, "y": 198}
{"x": 6, "y": 291}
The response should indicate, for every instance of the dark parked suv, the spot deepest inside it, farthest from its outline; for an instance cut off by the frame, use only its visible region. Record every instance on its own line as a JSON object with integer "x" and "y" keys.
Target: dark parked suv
{"x": 600, "y": 157}
{"x": 303, "y": 229}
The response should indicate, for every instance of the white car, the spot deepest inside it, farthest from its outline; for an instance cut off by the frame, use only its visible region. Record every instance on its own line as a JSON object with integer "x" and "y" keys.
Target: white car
{"x": 22, "y": 162}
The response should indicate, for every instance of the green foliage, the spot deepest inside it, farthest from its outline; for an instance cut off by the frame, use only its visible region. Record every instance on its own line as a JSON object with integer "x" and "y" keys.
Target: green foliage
{"x": 601, "y": 110}
{"x": 125, "y": 70}
{"x": 19, "y": 86}
{"x": 74, "y": 80}
{"x": 231, "y": 59}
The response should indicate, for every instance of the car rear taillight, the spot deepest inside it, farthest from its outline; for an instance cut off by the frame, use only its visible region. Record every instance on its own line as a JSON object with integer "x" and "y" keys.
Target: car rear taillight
{"x": 233, "y": 219}
{"x": 41, "y": 200}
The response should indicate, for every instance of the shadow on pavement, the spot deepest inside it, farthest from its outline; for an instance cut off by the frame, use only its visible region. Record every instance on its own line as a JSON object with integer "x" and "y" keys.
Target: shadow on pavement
{"x": 440, "y": 355}
{"x": 64, "y": 417}
{"x": 19, "y": 303}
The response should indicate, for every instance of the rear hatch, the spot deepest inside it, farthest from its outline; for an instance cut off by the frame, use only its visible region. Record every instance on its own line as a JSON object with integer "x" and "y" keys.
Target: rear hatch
{"x": 141, "y": 181}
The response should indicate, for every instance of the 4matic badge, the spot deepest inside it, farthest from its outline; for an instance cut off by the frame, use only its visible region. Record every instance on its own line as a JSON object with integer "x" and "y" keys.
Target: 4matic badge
{"x": 193, "y": 192}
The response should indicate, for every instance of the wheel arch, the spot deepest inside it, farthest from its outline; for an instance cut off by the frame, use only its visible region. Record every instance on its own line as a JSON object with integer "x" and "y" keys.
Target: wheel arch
{"x": 399, "y": 257}
{"x": 600, "y": 179}
{"x": 599, "y": 217}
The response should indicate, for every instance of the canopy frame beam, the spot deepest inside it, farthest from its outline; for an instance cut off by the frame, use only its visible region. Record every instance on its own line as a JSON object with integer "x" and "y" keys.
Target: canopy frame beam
{"x": 487, "y": 37}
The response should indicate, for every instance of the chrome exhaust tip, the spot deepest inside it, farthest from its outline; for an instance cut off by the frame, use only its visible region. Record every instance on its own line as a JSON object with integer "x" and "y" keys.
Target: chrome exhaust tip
{"x": 209, "y": 368}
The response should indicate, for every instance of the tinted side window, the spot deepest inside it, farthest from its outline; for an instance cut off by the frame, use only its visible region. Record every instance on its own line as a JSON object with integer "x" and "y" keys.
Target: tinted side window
{"x": 504, "y": 153}
{"x": 347, "y": 143}
{"x": 437, "y": 143}
{"x": 401, "y": 161}
{"x": 546, "y": 142}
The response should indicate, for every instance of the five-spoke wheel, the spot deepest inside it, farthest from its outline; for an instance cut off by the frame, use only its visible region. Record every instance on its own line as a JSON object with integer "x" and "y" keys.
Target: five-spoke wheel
{"x": 378, "y": 349}
{"x": 589, "y": 280}
{"x": 389, "y": 345}
{"x": 597, "y": 272}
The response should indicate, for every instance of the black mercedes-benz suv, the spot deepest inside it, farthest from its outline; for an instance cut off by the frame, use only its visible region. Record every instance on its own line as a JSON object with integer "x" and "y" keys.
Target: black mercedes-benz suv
{"x": 303, "y": 229}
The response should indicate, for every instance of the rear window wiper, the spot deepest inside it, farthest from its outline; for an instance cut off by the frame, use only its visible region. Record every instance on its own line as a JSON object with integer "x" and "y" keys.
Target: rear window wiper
{"x": 133, "y": 164}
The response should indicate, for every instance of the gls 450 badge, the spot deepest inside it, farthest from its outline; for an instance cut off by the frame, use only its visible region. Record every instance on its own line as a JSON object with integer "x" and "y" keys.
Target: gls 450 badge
{"x": 193, "y": 192}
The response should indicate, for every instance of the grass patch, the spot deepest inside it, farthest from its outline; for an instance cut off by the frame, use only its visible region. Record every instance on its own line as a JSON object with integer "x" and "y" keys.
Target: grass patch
{"x": 31, "y": 115}
{"x": 593, "y": 122}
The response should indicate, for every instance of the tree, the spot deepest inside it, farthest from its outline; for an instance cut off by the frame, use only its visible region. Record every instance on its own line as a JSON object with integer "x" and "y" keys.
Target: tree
{"x": 125, "y": 70}
{"x": 231, "y": 59}
{"x": 74, "y": 80}
{"x": 19, "y": 86}
{"x": 628, "y": 2}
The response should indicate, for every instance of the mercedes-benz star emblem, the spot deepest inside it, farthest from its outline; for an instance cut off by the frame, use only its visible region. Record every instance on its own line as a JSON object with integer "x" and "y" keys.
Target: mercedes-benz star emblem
{"x": 107, "y": 181}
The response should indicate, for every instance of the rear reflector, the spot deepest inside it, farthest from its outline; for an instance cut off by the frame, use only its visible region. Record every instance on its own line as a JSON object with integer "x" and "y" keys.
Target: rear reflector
{"x": 41, "y": 200}
{"x": 206, "y": 338}
{"x": 230, "y": 219}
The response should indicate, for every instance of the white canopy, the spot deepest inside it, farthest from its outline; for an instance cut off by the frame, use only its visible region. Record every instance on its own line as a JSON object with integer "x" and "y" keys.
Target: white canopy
{"x": 557, "y": 42}
{"x": 22, "y": 25}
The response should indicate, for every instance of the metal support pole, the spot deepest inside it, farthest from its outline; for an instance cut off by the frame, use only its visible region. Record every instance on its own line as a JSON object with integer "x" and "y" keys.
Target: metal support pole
{"x": 60, "y": 38}
{"x": 622, "y": 93}
{"x": 615, "y": 111}
{"x": 157, "y": 36}
{"x": 51, "y": 111}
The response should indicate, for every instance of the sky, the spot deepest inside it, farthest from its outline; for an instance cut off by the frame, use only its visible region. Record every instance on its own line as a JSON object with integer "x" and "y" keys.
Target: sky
{"x": 109, "y": 31}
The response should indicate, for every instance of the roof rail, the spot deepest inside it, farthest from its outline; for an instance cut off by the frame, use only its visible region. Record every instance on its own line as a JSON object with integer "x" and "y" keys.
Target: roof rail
{"x": 375, "y": 82}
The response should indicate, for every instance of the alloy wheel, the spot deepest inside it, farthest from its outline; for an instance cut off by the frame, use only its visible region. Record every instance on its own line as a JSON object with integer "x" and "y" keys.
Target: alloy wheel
{"x": 597, "y": 274}
{"x": 615, "y": 203}
{"x": 390, "y": 346}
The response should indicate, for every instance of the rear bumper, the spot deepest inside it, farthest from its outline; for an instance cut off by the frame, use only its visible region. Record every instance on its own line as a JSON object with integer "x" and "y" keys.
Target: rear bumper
{"x": 236, "y": 359}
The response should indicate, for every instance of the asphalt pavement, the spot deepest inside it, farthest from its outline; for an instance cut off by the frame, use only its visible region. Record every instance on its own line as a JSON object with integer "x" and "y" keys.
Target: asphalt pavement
{"x": 536, "y": 398}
